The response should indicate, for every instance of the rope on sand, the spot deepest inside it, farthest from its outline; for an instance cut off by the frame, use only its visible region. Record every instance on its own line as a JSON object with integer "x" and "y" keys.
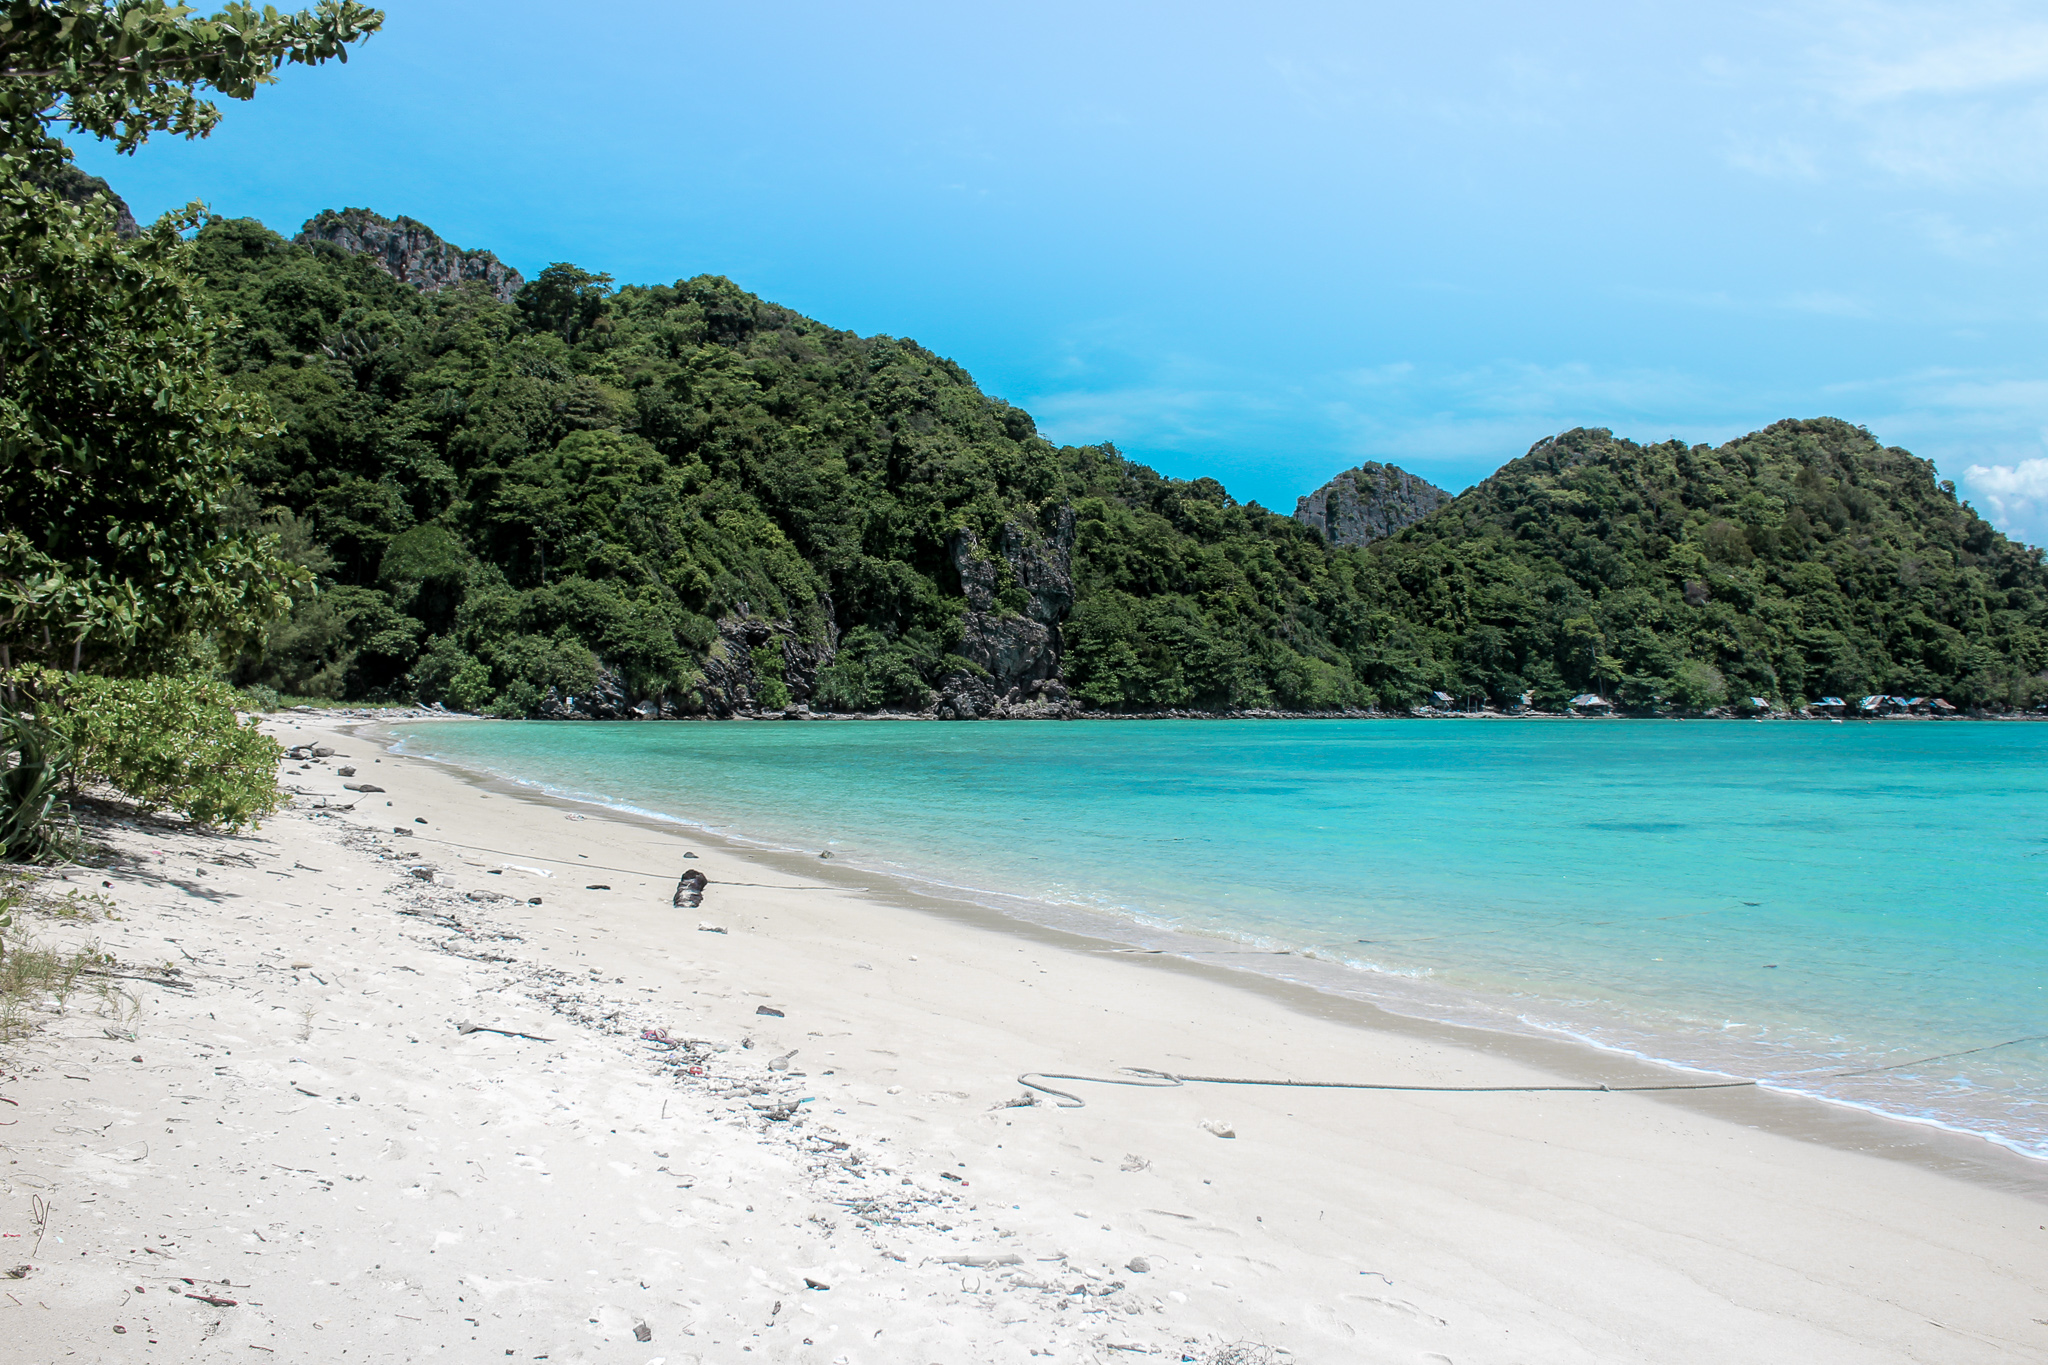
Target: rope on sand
{"x": 1147, "y": 1078}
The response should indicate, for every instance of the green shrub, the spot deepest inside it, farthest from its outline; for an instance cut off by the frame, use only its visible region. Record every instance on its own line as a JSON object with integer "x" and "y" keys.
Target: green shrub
{"x": 257, "y": 697}
{"x": 773, "y": 691}
{"x": 33, "y": 763}
{"x": 168, "y": 742}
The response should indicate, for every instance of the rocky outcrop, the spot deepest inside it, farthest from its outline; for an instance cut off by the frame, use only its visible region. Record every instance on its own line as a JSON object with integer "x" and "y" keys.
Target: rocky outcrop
{"x": 410, "y": 251}
{"x": 733, "y": 684}
{"x": 81, "y": 188}
{"x": 1361, "y": 505}
{"x": 1014, "y": 635}
{"x": 605, "y": 700}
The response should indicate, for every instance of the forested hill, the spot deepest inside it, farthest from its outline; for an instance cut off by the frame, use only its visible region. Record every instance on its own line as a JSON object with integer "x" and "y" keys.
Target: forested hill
{"x": 685, "y": 500}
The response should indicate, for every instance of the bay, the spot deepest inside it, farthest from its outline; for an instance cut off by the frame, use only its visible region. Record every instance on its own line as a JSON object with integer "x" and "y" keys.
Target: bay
{"x": 1820, "y": 906}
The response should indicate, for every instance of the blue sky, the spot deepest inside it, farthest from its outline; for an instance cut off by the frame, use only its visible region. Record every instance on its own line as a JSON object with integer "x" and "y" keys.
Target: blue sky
{"x": 1261, "y": 242}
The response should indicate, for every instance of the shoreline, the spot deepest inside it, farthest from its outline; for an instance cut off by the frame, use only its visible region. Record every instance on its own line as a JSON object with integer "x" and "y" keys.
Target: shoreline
{"x": 403, "y": 1114}
{"x": 1327, "y": 987}
{"x": 416, "y": 712}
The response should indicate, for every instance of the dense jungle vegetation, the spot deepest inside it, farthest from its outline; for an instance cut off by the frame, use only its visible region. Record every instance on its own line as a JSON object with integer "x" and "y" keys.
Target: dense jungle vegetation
{"x": 501, "y": 500}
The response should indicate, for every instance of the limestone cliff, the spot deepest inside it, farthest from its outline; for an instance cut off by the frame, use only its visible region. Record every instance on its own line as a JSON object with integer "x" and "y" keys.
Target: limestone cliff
{"x": 411, "y": 251}
{"x": 1016, "y": 599}
{"x": 81, "y": 188}
{"x": 1361, "y": 505}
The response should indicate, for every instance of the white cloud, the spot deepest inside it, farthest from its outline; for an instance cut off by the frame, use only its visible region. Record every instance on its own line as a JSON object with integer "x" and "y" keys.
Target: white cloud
{"x": 1997, "y": 57}
{"x": 2016, "y": 494}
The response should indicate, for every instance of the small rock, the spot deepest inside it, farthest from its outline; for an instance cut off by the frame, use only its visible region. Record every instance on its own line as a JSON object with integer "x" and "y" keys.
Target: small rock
{"x": 690, "y": 890}
{"x": 419, "y": 819}
{"x": 301, "y": 966}
{"x": 19, "y": 1272}
{"x": 401, "y": 829}
{"x": 122, "y": 1330}
{"x": 689, "y": 855}
{"x": 345, "y": 772}
{"x": 708, "y": 928}
{"x": 1138, "y": 1265}
{"x": 810, "y": 1283}
{"x": 825, "y": 855}
{"x": 1218, "y": 1127}
{"x": 424, "y": 871}
{"x": 533, "y": 900}
{"x": 768, "y": 1009}
{"x": 322, "y": 751}
{"x": 642, "y": 1332}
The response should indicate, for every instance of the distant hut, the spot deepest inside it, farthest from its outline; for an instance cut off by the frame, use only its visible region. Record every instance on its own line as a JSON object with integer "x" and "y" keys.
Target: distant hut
{"x": 1443, "y": 701}
{"x": 1592, "y": 704}
{"x": 1873, "y": 706}
{"x": 1525, "y": 702}
{"x": 1938, "y": 707}
{"x": 1828, "y": 706}
{"x": 1756, "y": 705}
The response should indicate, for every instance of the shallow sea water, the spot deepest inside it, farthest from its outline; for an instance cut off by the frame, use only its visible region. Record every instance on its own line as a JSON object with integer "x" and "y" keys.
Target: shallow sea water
{"x": 1786, "y": 901}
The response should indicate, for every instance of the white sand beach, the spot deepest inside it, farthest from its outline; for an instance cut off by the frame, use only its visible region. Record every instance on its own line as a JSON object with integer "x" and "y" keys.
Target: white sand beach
{"x": 377, "y": 1116}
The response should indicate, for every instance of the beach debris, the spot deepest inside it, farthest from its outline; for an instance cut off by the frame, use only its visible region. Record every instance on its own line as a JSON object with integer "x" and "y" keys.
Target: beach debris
{"x": 984, "y": 1262}
{"x": 419, "y": 819}
{"x": 597, "y": 886}
{"x": 864, "y": 966}
{"x": 1134, "y": 1162}
{"x": 769, "y": 1010}
{"x": 479, "y": 1028}
{"x": 1138, "y": 1265}
{"x": 709, "y": 928}
{"x": 642, "y": 1332}
{"x": 360, "y": 786}
{"x": 424, "y": 871}
{"x": 782, "y": 1063}
{"x": 572, "y": 817}
{"x": 533, "y": 900}
{"x": 216, "y": 1300}
{"x": 301, "y": 965}
{"x": 810, "y": 1283}
{"x": 401, "y": 829}
{"x": 826, "y": 854}
{"x": 344, "y": 772}
{"x": 19, "y": 1272}
{"x": 1218, "y": 1127}
{"x": 690, "y": 890}
{"x": 948, "y": 1175}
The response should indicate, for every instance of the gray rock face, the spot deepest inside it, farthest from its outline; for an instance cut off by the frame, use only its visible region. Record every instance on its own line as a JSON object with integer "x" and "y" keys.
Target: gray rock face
{"x": 731, "y": 684}
{"x": 410, "y": 251}
{"x": 1019, "y": 646}
{"x": 606, "y": 700}
{"x": 1361, "y": 505}
{"x": 81, "y": 188}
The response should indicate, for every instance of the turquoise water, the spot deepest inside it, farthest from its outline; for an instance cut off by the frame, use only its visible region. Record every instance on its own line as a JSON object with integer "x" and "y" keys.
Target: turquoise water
{"x": 1788, "y": 901}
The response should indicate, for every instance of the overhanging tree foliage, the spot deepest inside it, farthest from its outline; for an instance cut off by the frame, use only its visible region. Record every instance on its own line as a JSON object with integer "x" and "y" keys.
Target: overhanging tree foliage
{"x": 119, "y": 442}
